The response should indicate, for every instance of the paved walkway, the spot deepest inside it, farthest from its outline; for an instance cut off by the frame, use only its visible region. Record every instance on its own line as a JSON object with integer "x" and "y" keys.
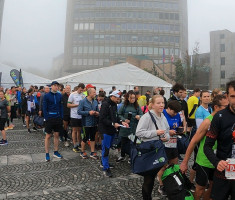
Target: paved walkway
{"x": 24, "y": 174}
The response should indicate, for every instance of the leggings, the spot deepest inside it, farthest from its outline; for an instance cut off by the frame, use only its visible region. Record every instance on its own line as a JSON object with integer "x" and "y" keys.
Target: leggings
{"x": 125, "y": 146}
{"x": 148, "y": 184}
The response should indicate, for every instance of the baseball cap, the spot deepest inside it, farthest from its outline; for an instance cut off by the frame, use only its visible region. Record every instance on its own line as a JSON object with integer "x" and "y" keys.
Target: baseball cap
{"x": 116, "y": 93}
{"x": 54, "y": 83}
{"x": 89, "y": 86}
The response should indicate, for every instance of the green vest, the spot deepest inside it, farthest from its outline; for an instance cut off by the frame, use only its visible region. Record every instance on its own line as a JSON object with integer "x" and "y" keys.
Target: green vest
{"x": 201, "y": 157}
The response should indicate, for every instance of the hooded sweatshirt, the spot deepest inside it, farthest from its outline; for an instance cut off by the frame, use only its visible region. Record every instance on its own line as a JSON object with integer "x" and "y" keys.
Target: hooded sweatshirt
{"x": 146, "y": 130}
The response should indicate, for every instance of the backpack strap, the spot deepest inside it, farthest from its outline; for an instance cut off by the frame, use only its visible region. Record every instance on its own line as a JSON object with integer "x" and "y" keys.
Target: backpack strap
{"x": 153, "y": 119}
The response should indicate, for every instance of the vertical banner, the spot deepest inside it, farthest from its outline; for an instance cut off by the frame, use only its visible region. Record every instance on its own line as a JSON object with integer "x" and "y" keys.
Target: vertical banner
{"x": 21, "y": 79}
{"x": 15, "y": 75}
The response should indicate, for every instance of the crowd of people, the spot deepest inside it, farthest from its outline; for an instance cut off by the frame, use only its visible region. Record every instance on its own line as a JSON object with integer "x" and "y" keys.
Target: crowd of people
{"x": 97, "y": 118}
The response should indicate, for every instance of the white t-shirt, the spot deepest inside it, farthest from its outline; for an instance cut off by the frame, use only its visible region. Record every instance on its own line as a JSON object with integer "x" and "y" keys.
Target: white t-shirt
{"x": 75, "y": 98}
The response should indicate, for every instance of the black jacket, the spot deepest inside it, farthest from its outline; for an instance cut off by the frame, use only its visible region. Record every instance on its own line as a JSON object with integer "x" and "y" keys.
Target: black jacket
{"x": 65, "y": 98}
{"x": 108, "y": 115}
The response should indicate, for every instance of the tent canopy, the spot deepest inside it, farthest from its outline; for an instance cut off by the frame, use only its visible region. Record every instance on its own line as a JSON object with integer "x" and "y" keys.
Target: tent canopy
{"x": 124, "y": 76}
{"x": 28, "y": 78}
{"x": 121, "y": 74}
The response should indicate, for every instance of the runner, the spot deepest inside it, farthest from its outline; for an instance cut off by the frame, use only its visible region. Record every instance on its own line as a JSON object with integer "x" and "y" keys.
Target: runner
{"x": 4, "y": 110}
{"x": 88, "y": 109}
{"x": 222, "y": 130}
{"x": 66, "y": 111}
{"x": 76, "y": 119}
{"x": 146, "y": 131}
{"x": 204, "y": 169}
{"x": 53, "y": 114}
{"x": 174, "y": 121}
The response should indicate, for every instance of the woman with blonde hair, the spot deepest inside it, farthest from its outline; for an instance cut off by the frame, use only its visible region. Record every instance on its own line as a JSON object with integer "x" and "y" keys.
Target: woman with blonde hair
{"x": 146, "y": 131}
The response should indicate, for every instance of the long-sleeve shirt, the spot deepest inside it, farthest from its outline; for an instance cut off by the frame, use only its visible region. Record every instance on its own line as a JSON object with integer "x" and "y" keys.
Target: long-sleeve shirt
{"x": 221, "y": 129}
{"x": 52, "y": 106}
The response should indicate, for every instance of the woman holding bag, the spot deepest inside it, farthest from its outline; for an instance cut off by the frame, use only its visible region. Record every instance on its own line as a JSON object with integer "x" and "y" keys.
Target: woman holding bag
{"x": 146, "y": 131}
{"x": 130, "y": 112}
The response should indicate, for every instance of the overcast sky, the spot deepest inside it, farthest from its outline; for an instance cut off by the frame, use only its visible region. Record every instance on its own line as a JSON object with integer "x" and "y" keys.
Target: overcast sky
{"x": 33, "y": 30}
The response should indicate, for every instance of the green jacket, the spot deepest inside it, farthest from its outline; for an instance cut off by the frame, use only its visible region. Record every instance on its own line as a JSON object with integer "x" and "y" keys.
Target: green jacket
{"x": 123, "y": 115}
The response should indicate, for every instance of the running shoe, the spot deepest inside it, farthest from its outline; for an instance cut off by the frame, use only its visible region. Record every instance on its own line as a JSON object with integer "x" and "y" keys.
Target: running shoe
{"x": 47, "y": 157}
{"x": 6, "y": 128}
{"x": 57, "y": 154}
{"x": 94, "y": 155}
{"x": 29, "y": 131}
{"x": 66, "y": 144}
{"x": 83, "y": 155}
{"x": 76, "y": 150}
{"x": 10, "y": 127}
{"x": 3, "y": 142}
{"x": 161, "y": 190}
{"x": 107, "y": 173}
{"x": 120, "y": 159}
{"x": 35, "y": 129}
{"x": 110, "y": 165}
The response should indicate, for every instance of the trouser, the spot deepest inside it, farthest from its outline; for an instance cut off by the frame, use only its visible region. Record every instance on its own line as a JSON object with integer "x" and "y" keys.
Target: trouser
{"x": 125, "y": 146}
{"x": 148, "y": 184}
{"x": 106, "y": 144}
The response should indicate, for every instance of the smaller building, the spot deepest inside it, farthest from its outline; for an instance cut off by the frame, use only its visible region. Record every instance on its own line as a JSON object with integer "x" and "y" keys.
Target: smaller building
{"x": 222, "y": 59}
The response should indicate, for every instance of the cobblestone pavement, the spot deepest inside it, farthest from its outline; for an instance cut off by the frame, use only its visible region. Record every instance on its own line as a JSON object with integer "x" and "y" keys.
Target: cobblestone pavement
{"x": 24, "y": 174}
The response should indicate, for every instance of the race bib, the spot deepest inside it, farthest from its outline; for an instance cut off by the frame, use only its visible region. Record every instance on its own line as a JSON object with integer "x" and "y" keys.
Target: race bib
{"x": 230, "y": 170}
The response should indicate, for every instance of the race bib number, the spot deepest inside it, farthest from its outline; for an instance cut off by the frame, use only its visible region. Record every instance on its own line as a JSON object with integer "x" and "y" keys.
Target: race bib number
{"x": 230, "y": 170}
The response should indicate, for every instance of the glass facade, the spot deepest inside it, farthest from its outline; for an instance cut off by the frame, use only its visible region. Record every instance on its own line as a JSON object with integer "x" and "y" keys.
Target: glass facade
{"x": 107, "y": 31}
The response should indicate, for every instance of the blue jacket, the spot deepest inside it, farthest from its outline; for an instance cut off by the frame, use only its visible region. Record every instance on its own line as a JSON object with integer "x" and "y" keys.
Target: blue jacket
{"x": 83, "y": 109}
{"x": 18, "y": 96}
{"x": 52, "y": 106}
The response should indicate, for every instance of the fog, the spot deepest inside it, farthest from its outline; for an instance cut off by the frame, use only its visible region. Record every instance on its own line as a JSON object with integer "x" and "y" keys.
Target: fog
{"x": 33, "y": 30}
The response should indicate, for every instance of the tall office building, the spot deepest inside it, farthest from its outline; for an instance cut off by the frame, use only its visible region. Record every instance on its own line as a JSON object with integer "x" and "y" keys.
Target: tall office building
{"x": 222, "y": 58}
{"x": 103, "y": 32}
{"x": 1, "y": 15}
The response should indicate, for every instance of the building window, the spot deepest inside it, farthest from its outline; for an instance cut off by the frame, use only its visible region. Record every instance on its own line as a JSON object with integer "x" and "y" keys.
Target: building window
{"x": 75, "y": 50}
{"x": 221, "y": 36}
{"x": 74, "y": 61}
{"x": 128, "y": 49}
{"x": 75, "y": 26}
{"x": 139, "y": 50}
{"x": 222, "y": 61}
{"x": 222, "y": 47}
{"x": 222, "y": 75}
{"x": 123, "y": 50}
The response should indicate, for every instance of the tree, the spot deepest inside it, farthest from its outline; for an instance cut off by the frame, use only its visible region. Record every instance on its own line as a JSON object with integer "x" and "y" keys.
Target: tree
{"x": 179, "y": 72}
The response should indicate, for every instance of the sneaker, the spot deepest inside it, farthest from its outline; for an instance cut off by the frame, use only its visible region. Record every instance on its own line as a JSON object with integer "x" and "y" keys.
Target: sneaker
{"x": 29, "y": 131}
{"x": 6, "y": 128}
{"x": 61, "y": 139}
{"x": 161, "y": 190}
{"x": 83, "y": 155}
{"x": 76, "y": 150}
{"x": 10, "y": 127}
{"x": 107, "y": 173}
{"x": 129, "y": 161}
{"x": 94, "y": 155}
{"x": 24, "y": 125}
{"x": 35, "y": 129}
{"x": 120, "y": 159}
{"x": 57, "y": 154}
{"x": 193, "y": 188}
{"x": 110, "y": 165}
{"x": 3, "y": 142}
{"x": 66, "y": 144}
{"x": 47, "y": 157}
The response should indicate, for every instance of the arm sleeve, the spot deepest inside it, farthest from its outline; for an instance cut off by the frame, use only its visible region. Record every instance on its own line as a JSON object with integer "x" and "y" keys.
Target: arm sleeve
{"x": 211, "y": 138}
{"x": 45, "y": 106}
{"x": 143, "y": 131}
{"x": 192, "y": 111}
{"x": 104, "y": 113}
{"x": 121, "y": 114}
{"x": 70, "y": 99}
{"x": 80, "y": 109}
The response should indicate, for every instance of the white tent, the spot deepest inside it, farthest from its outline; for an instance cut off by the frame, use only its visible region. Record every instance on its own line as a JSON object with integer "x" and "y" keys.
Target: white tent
{"x": 28, "y": 78}
{"x": 124, "y": 76}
